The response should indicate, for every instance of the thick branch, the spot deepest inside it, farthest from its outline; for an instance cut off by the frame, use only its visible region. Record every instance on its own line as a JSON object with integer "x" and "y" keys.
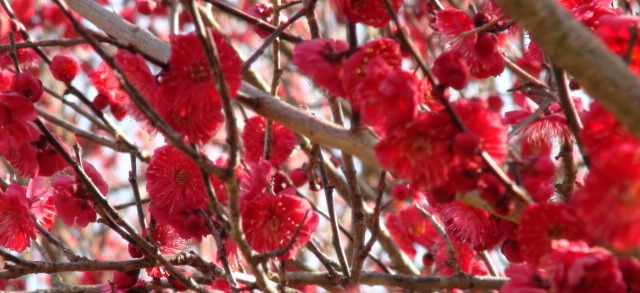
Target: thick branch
{"x": 114, "y": 25}
{"x": 575, "y": 49}
{"x": 359, "y": 144}
{"x": 299, "y": 278}
{"x": 410, "y": 283}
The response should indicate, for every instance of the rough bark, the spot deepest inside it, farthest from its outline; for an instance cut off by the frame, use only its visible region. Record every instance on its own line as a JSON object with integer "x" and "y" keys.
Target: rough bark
{"x": 575, "y": 49}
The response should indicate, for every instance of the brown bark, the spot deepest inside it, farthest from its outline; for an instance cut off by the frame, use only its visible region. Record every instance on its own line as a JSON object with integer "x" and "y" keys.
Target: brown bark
{"x": 575, "y": 49}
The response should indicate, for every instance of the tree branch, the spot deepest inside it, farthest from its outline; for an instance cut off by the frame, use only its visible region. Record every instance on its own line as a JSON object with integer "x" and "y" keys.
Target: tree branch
{"x": 575, "y": 49}
{"x": 359, "y": 143}
{"x": 419, "y": 283}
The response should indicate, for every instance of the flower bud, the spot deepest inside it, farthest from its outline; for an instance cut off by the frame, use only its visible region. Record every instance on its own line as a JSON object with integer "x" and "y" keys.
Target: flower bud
{"x": 452, "y": 70}
{"x": 64, "y": 68}
{"x": 124, "y": 280}
{"x": 27, "y": 85}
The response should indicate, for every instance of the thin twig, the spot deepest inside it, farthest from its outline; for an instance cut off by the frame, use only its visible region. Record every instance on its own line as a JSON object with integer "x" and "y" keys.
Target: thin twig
{"x": 13, "y": 54}
{"x": 259, "y": 23}
{"x": 275, "y": 80}
{"x": 267, "y": 41}
{"x": 328, "y": 263}
{"x": 130, "y": 204}
{"x": 312, "y": 19}
{"x": 570, "y": 171}
{"x": 335, "y": 235}
{"x": 485, "y": 27}
{"x": 43, "y": 43}
{"x": 174, "y": 20}
{"x": 57, "y": 243}
{"x": 633, "y": 37}
{"x": 14, "y": 259}
{"x": 522, "y": 73}
{"x": 282, "y": 276}
{"x": 56, "y": 280}
{"x": 408, "y": 44}
{"x": 453, "y": 261}
{"x": 570, "y": 111}
{"x": 358, "y": 217}
{"x": 222, "y": 253}
{"x": 376, "y": 213}
{"x": 101, "y": 140}
{"x": 399, "y": 259}
{"x": 77, "y": 108}
{"x": 486, "y": 258}
{"x": 214, "y": 206}
{"x": 133, "y": 180}
{"x": 529, "y": 119}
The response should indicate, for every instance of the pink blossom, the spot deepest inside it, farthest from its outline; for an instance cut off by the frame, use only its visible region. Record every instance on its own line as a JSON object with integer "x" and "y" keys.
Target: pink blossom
{"x": 73, "y": 199}
{"x": 16, "y": 224}
{"x": 253, "y": 136}
{"x": 270, "y": 221}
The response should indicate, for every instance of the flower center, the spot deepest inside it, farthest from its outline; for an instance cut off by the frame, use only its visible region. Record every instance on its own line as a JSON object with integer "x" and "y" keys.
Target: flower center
{"x": 555, "y": 232}
{"x": 13, "y": 155}
{"x": 181, "y": 176}
{"x": 417, "y": 229}
{"x": 272, "y": 224}
{"x": 199, "y": 73}
{"x": 422, "y": 146}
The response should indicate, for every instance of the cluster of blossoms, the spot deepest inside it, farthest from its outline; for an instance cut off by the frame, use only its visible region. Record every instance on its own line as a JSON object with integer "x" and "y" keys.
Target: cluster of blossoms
{"x": 50, "y": 192}
{"x": 23, "y": 145}
{"x": 197, "y": 111}
{"x": 437, "y": 146}
{"x": 422, "y": 145}
{"x": 273, "y": 214}
{"x": 175, "y": 183}
{"x": 579, "y": 245}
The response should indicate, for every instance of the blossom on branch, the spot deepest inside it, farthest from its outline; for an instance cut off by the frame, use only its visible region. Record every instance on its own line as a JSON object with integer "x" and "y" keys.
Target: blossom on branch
{"x": 107, "y": 85}
{"x": 283, "y": 141}
{"x": 386, "y": 97}
{"x": 409, "y": 227}
{"x": 576, "y": 267}
{"x": 64, "y": 68}
{"x": 174, "y": 181}
{"x": 270, "y": 220}
{"x": 543, "y": 224}
{"x": 355, "y": 67}
{"x": 18, "y": 229}
{"x": 17, "y": 114}
{"x": 423, "y": 151}
{"x": 322, "y": 59}
{"x": 480, "y": 50}
{"x": 369, "y": 12}
{"x": 73, "y": 199}
{"x": 188, "y": 223}
{"x": 609, "y": 201}
{"x": 189, "y": 99}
